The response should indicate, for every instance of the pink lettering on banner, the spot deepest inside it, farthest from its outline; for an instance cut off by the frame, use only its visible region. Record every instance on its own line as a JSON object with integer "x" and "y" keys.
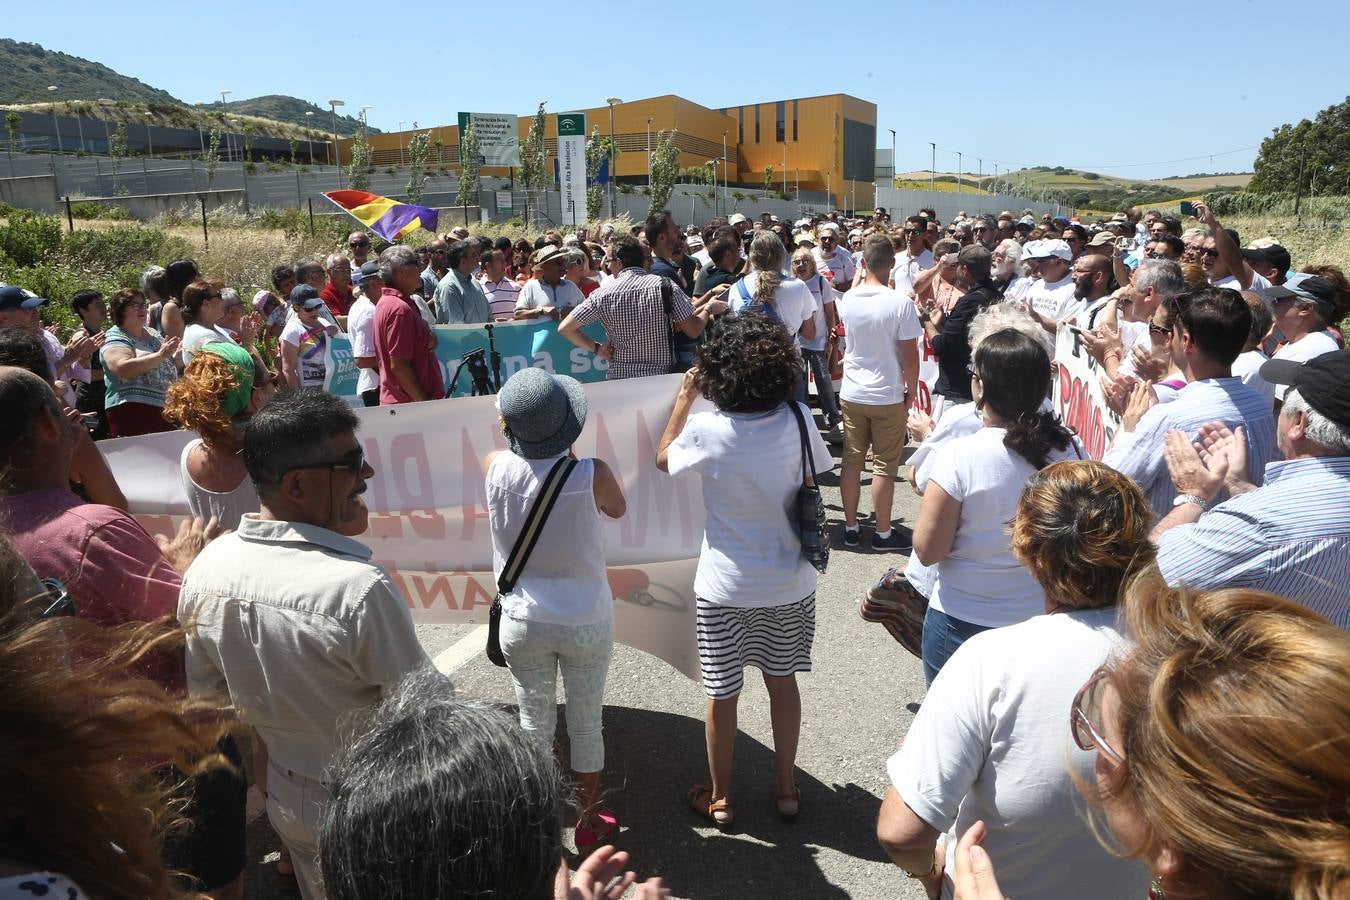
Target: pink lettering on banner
{"x": 924, "y": 403}
{"x": 473, "y": 488}
{"x": 402, "y": 485}
{"x": 1080, "y": 410}
{"x": 927, "y": 354}
{"x": 454, "y": 591}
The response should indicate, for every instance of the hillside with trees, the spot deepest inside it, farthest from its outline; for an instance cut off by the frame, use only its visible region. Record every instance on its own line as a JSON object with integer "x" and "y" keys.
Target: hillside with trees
{"x": 26, "y": 70}
{"x": 281, "y": 108}
{"x": 1319, "y": 150}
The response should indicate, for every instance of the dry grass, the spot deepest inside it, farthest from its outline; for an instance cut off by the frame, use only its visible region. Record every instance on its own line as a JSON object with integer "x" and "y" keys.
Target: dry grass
{"x": 1203, "y": 182}
{"x": 1308, "y": 245}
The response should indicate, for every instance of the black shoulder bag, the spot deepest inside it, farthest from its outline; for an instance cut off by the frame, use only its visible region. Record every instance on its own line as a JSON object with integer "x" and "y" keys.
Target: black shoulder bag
{"x": 520, "y": 552}
{"x": 809, "y": 522}
{"x": 668, "y": 304}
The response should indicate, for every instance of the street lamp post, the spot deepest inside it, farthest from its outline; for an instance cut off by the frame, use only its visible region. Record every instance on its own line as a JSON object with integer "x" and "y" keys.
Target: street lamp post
{"x": 613, "y": 199}
{"x": 725, "y": 187}
{"x": 958, "y": 171}
{"x": 229, "y": 144}
{"x": 649, "y": 154}
{"x": 400, "y": 141}
{"x": 55, "y": 123}
{"x": 892, "y": 131}
{"x": 309, "y": 136}
{"x": 932, "y": 171}
{"x": 337, "y": 152}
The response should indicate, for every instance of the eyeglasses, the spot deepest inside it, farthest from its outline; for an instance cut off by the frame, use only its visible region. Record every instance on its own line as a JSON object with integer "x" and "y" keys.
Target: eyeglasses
{"x": 979, "y": 228}
{"x": 354, "y": 463}
{"x": 1159, "y": 330}
{"x": 1085, "y": 717}
{"x": 915, "y": 232}
{"x": 1207, "y": 251}
{"x": 827, "y": 239}
{"x": 358, "y": 244}
{"x": 61, "y": 604}
{"x": 797, "y": 263}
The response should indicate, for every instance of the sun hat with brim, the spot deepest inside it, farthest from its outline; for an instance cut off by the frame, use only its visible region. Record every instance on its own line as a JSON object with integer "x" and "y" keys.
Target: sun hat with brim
{"x": 544, "y": 413}
{"x": 14, "y": 297}
{"x": 236, "y": 399}
{"x": 805, "y": 240}
{"x": 1101, "y": 239}
{"x": 547, "y": 254}
{"x": 1323, "y": 382}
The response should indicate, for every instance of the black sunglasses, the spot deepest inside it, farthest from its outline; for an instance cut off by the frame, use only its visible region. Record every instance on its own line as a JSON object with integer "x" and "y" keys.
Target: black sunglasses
{"x": 62, "y": 605}
{"x": 355, "y": 463}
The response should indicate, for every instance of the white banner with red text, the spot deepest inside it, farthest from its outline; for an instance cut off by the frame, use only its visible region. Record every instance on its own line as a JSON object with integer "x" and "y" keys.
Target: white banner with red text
{"x": 429, "y": 519}
{"x": 1080, "y": 401}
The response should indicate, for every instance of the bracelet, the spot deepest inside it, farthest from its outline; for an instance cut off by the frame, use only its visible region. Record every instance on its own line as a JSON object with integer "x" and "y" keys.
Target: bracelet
{"x": 1192, "y": 500}
{"x": 917, "y": 875}
{"x": 598, "y": 345}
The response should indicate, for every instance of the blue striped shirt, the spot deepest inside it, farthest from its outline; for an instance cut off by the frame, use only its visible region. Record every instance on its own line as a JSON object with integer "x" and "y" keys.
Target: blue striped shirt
{"x": 1140, "y": 454}
{"x": 1290, "y": 537}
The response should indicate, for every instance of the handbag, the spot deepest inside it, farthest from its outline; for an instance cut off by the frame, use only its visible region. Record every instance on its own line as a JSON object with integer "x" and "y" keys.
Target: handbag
{"x": 520, "y": 551}
{"x": 668, "y": 303}
{"x": 900, "y": 608}
{"x": 810, "y": 507}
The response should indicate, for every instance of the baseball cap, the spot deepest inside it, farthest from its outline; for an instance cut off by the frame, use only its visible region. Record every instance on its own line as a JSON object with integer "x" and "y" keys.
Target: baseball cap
{"x": 305, "y": 297}
{"x": 737, "y": 218}
{"x": 1061, "y": 220}
{"x": 369, "y": 272}
{"x": 832, "y": 226}
{"x": 804, "y": 239}
{"x": 1027, "y": 220}
{"x": 1323, "y": 382}
{"x": 260, "y": 300}
{"x": 1313, "y": 288}
{"x": 1274, "y": 254}
{"x": 1101, "y": 238}
{"x": 14, "y": 297}
{"x": 1047, "y": 249}
{"x": 976, "y": 257}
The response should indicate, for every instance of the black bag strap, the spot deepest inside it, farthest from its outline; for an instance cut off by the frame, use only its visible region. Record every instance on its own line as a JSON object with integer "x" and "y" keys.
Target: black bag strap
{"x": 534, "y": 524}
{"x": 808, "y": 476}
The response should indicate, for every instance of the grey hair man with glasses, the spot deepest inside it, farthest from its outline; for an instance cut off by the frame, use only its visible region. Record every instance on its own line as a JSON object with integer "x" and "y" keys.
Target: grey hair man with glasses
{"x": 290, "y": 622}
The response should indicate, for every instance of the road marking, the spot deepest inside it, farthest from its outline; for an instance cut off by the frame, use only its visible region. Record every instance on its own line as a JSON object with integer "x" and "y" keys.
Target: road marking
{"x": 462, "y": 651}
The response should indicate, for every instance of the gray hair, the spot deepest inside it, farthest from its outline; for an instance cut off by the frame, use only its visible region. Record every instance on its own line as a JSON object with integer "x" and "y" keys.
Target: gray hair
{"x": 155, "y": 283}
{"x": 441, "y": 797}
{"x": 229, "y": 296}
{"x": 1163, "y": 275}
{"x": 393, "y": 257}
{"x": 1005, "y": 315}
{"x": 1010, "y": 248}
{"x": 334, "y": 258}
{"x": 1330, "y": 436}
{"x": 1199, "y": 231}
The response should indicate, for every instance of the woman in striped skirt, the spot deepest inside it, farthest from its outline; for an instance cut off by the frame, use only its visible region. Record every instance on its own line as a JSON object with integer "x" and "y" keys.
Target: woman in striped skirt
{"x": 755, "y": 592}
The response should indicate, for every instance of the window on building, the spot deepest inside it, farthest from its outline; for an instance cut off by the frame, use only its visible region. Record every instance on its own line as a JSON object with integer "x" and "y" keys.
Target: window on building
{"x": 740, "y": 125}
{"x": 756, "y": 123}
{"x": 794, "y": 120}
{"x": 860, "y": 145}
{"x": 779, "y": 125}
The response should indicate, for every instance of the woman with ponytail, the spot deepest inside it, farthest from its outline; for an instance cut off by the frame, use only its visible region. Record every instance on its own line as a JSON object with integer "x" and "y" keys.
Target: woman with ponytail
{"x": 972, "y": 495}
{"x": 766, "y": 290}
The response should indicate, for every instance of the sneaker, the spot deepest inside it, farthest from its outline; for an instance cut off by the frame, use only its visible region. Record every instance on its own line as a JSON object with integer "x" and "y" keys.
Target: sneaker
{"x": 834, "y": 435}
{"x": 894, "y": 541}
{"x": 852, "y": 537}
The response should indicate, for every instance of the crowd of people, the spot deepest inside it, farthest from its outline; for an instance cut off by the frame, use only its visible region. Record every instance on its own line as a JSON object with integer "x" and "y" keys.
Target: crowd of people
{"x": 1186, "y": 597}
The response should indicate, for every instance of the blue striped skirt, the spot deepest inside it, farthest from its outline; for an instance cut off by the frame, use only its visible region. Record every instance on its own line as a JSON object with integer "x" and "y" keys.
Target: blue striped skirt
{"x": 774, "y": 639}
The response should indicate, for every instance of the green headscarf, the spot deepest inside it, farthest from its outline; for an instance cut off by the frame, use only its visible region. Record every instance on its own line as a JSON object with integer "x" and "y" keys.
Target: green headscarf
{"x": 236, "y": 399}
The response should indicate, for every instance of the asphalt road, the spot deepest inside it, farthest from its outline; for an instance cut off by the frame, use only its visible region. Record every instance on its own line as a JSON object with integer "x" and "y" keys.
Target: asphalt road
{"x": 857, "y": 704}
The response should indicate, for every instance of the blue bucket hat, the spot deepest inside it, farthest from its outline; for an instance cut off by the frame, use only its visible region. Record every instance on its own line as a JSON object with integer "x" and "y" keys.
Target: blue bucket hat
{"x": 544, "y": 413}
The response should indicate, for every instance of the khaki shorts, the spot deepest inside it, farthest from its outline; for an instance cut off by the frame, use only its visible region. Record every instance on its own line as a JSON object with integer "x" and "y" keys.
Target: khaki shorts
{"x": 880, "y": 427}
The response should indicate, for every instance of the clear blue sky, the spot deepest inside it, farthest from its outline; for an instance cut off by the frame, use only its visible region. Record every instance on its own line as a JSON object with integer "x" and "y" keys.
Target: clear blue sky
{"x": 1128, "y": 89}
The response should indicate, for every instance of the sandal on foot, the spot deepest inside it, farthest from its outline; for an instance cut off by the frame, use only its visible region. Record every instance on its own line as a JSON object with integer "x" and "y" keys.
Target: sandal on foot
{"x": 790, "y": 804}
{"x": 587, "y": 839}
{"x": 716, "y": 811}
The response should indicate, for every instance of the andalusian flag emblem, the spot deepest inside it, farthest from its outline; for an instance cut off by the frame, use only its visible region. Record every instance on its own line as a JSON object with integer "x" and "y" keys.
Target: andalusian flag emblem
{"x": 387, "y": 218}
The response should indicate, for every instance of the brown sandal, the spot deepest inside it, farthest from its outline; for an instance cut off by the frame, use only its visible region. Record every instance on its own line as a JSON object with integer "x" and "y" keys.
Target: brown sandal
{"x": 789, "y": 805}
{"x": 710, "y": 809}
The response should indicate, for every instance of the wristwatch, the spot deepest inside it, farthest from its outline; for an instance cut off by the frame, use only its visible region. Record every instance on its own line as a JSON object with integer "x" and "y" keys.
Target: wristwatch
{"x": 598, "y": 345}
{"x": 1191, "y": 499}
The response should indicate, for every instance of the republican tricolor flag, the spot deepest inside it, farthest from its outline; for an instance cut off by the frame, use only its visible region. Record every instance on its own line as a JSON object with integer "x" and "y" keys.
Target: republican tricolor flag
{"x": 387, "y": 218}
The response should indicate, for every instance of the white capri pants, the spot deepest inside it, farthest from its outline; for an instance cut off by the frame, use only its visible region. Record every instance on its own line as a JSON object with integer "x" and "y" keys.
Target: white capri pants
{"x": 534, "y": 652}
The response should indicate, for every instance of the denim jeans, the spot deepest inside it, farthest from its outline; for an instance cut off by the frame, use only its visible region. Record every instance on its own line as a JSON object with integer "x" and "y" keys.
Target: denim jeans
{"x": 819, "y": 363}
{"x": 942, "y": 634}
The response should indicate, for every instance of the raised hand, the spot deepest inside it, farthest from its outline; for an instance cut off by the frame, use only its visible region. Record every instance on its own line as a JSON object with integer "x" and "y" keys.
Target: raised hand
{"x": 1202, "y": 478}
{"x": 1142, "y": 399}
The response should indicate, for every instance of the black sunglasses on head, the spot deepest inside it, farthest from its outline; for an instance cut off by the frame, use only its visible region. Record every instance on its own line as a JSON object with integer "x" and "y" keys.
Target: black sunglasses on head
{"x": 61, "y": 604}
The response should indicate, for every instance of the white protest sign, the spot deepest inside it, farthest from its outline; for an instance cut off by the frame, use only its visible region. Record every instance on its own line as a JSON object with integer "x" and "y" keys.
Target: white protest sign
{"x": 1080, "y": 401}
{"x": 498, "y": 137}
{"x": 429, "y": 519}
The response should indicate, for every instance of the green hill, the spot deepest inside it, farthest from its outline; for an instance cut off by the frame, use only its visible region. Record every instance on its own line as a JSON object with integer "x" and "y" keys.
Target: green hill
{"x": 27, "y": 69}
{"x": 280, "y": 108}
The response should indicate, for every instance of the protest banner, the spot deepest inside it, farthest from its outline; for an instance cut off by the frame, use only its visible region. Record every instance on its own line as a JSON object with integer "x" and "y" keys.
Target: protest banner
{"x": 429, "y": 517}
{"x": 1080, "y": 401}
{"x": 530, "y": 342}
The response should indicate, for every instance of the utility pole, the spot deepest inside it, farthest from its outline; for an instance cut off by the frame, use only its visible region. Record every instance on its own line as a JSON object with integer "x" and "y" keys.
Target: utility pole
{"x": 613, "y": 199}
{"x": 892, "y": 131}
{"x": 958, "y": 171}
{"x": 337, "y": 152}
{"x": 932, "y": 168}
{"x": 1298, "y": 186}
{"x": 980, "y": 183}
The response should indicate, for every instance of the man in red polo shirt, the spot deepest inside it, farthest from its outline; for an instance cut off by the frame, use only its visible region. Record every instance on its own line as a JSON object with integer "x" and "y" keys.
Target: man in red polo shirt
{"x": 337, "y": 292}
{"x": 404, "y": 343}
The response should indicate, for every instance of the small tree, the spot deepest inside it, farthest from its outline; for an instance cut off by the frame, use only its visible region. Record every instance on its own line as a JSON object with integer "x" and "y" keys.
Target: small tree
{"x": 665, "y": 169}
{"x": 12, "y": 122}
{"x": 533, "y": 159}
{"x": 768, "y": 180}
{"x": 295, "y": 147}
{"x": 248, "y": 131}
{"x": 470, "y": 165}
{"x": 118, "y": 148}
{"x": 212, "y": 158}
{"x": 419, "y": 149}
{"x": 597, "y": 151}
{"x": 358, "y": 173}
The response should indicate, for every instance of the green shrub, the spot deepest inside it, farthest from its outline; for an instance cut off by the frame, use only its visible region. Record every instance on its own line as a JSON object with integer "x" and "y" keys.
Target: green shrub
{"x": 87, "y": 210}
{"x": 30, "y": 237}
{"x": 124, "y": 245}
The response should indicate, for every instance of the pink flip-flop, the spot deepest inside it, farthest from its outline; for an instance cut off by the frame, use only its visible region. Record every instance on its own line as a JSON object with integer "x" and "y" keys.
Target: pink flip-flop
{"x": 587, "y": 839}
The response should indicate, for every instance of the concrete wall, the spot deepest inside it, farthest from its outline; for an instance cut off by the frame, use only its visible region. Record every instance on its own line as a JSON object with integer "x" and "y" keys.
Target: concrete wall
{"x": 149, "y": 206}
{"x": 32, "y": 192}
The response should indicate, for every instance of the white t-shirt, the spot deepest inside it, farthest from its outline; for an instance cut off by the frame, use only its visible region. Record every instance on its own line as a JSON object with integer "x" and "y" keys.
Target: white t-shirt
{"x": 561, "y": 296}
{"x": 195, "y": 337}
{"x": 361, "y": 328}
{"x": 751, "y": 465}
{"x": 1311, "y": 345}
{"x": 1018, "y": 288}
{"x": 991, "y": 742}
{"x": 1053, "y": 298}
{"x": 838, "y": 266}
{"x": 907, "y": 268}
{"x": 310, "y": 344}
{"x": 1248, "y": 367}
{"x": 875, "y": 320}
{"x": 822, "y": 295}
{"x": 980, "y": 581}
{"x": 1259, "y": 283}
{"x": 791, "y": 301}
{"x": 959, "y": 421}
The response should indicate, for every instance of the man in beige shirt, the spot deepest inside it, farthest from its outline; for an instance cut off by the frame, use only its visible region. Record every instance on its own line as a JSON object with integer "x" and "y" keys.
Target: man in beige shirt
{"x": 291, "y": 623}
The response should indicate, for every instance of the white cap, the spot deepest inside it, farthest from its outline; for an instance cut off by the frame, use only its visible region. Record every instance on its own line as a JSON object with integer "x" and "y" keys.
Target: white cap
{"x": 833, "y": 226}
{"x": 571, "y": 239}
{"x": 1047, "y": 249}
{"x": 737, "y": 218}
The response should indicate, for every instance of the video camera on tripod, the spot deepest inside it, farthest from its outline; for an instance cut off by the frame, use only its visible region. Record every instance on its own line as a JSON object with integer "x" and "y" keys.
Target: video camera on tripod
{"x": 483, "y": 381}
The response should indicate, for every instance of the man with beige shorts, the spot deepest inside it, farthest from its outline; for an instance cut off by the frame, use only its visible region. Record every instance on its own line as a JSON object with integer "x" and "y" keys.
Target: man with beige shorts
{"x": 881, "y": 371}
